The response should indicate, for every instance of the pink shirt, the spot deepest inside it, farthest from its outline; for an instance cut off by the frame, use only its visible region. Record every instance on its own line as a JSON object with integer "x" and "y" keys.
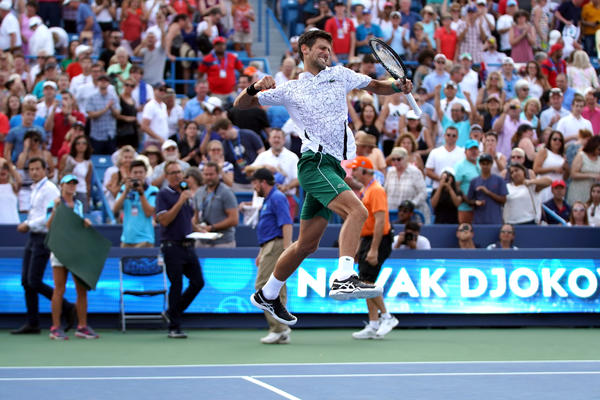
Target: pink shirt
{"x": 592, "y": 115}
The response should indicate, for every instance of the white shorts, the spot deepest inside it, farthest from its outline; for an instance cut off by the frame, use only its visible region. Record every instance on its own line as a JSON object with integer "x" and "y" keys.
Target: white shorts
{"x": 55, "y": 262}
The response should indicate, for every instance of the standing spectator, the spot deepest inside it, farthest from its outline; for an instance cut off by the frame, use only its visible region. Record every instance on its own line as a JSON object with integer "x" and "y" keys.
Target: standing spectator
{"x": 154, "y": 155}
{"x": 78, "y": 163}
{"x": 59, "y": 272}
{"x": 521, "y": 38}
{"x": 458, "y": 112}
{"x": 127, "y": 125}
{"x": 274, "y": 232}
{"x": 189, "y": 144}
{"x": 243, "y": 16}
{"x": 538, "y": 83}
{"x": 219, "y": 67}
{"x": 319, "y": 20}
{"x": 253, "y": 118}
{"x": 60, "y": 121}
{"x": 343, "y": 33}
{"x": 466, "y": 171}
{"x": 568, "y": 92}
{"x": 208, "y": 28}
{"x": 487, "y": 193}
{"x": 447, "y": 155}
{"x": 33, "y": 147}
{"x": 83, "y": 78}
{"x": 493, "y": 89}
{"x": 540, "y": 19}
{"x": 550, "y": 161}
{"x": 491, "y": 57}
{"x": 504, "y": 25}
{"x": 87, "y": 90}
{"x": 509, "y": 77}
{"x": 174, "y": 214}
{"x": 571, "y": 124}
{"x": 143, "y": 92}
{"x": 506, "y": 239}
{"x": 470, "y": 81}
{"x": 175, "y": 113}
{"x": 408, "y": 17}
{"x": 102, "y": 109}
{"x": 375, "y": 246}
{"x": 36, "y": 253}
{"x": 120, "y": 70}
{"x": 87, "y": 25}
{"x": 193, "y": 107}
{"x": 41, "y": 39}
{"x": 506, "y": 126}
{"x": 472, "y": 35}
{"x": 523, "y": 204}
{"x": 446, "y": 198}
{"x": 590, "y": 22}
{"x": 152, "y": 51}
{"x": 215, "y": 208}
{"x": 10, "y": 34}
{"x": 593, "y": 205}
{"x": 568, "y": 13}
{"x": 557, "y": 203}
{"x": 154, "y": 117}
{"x": 550, "y": 116}
{"x": 591, "y": 111}
{"x": 366, "y": 31}
{"x": 579, "y": 215}
{"x": 13, "y": 144}
{"x": 465, "y": 235}
{"x": 581, "y": 75}
{"x": 133, "y": 18}
{"x": 399, "y": 35}
{"x": 242, "y": 146}
{"x": 489, "y": 146}
{"x": 110, "y": 45}
{"x": 554, "y": 64}
{"x": 446, "y": 38}
{"x": 10, "y": 183}
{"x": 439, "y": 77}
{"x": 137, "y": 199}
{"x": 585, "y": 171}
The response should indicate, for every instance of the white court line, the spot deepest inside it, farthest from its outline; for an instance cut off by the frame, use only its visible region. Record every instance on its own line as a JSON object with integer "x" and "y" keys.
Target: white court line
{"x": 309, "y": 364}
{"x": 271, "y": 388}
{"x": 188, "y": 377}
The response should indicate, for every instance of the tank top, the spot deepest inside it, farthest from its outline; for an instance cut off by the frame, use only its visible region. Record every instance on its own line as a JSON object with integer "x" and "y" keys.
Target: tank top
{"x": 9, "y": 213}
{"x": 393, "y": 118}
{"x": 552, "y": 160}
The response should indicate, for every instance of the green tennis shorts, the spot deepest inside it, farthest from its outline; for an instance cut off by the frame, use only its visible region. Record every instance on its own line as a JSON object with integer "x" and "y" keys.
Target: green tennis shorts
{"x": 322, "y": 179}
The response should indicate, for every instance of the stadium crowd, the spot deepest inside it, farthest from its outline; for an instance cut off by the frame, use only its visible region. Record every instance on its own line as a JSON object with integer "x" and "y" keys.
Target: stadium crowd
{"x": 509, "y": 97}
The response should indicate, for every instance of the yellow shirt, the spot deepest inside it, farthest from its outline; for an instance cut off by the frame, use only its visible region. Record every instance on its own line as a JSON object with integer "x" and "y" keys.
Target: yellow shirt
{"x": 589, "y": 13}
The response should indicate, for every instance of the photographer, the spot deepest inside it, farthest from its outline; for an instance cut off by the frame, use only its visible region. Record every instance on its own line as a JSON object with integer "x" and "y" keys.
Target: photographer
{"x": 174, "y": 214}
{"x": 137, "y": 200}
{"x": 411, "y": 238}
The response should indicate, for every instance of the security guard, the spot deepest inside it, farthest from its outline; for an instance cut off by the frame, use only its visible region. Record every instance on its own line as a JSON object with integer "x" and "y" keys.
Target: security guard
{"x": 174, "y": 214}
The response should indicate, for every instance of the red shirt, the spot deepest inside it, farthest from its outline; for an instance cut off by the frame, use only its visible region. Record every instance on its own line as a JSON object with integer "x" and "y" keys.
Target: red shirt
{"x": 502, "y": 6}
{"x": 448, "y": 42}
{"x": 74, "y": 69}
{"x": 4, "y": 128}
{"x": 551, "y": 70}
{"x": 61, "y": 127}
{"x": 220, "y": 73}
{"x": 340, "y": 32}
{"x": 592, "y": 115}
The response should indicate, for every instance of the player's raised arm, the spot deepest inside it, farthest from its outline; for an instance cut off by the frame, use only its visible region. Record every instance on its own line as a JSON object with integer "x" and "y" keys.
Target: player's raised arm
{"x": 385, "y": 87}
{"x": 247, "y": 99}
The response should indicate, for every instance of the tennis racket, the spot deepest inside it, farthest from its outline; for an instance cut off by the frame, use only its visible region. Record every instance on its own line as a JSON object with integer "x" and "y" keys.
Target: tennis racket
{"x": 394, "y": 65}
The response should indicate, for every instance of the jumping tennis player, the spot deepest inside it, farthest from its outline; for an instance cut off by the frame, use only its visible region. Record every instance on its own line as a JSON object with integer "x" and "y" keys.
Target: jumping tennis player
{"x": 316, "y": 102}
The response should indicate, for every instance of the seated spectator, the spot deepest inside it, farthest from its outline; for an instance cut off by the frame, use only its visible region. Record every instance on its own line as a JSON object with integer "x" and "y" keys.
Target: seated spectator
{"x": 524, "y": 139}
{"x": 77, "y": 130}
{"x": 523, "y": 205}
{"x": 78, "y": 164}
{"x": 487, "y": 194}
{"x": 137, "y": 200}
{"x": 551, "y": 115}
{"x": 411, "y": 238}
{"x": 170, "y": 152}
{"x": 286, "y": 71}
{"x": 531, "y": 109}
{"x": 193, "y": 107}
{"x": 61, "y": 120}
{"x": 465, "y": 235}
{"x": 213, "y": 110}
{"x": 215, "y": 154}
{"x": 406, "y": 212}
{"x": 14, "y": 142}
{"x": 593, "y": 205}
{"x": 550, "y": 161}
{"x": 581, "y": 74}
{"x": 154, "y": 155}
{"x": 570, "y": 125}
{"x": 189, "y": 145}
{"x": 215, "y": 208}
{"x": 579, "y": 215}
{"x": 506, "y": 238}
{"x": 446, "y": 198}
{"x": 585, "y": 171}
{"x": 33, "y": 147}
{"x": 557, "y": 203}
{"x": 419, "y": 132}
{"x": 493, "y": 89}
{"x": 10, "y": 183}
{"x": 591, "y": 111}
{"x": 366, "y": 146}
{"x": 517, "y": 155}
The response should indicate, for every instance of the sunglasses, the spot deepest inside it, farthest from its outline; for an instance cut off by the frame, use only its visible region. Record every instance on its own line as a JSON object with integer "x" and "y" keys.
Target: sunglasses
{"x": 579, "y": 209}
{"x": 129, "y": 85}
{"x": 556, "y": 138}
{"x": 464, "y": 229}
{"x": 451, "y": 135}
{"x": 440, "y": 62}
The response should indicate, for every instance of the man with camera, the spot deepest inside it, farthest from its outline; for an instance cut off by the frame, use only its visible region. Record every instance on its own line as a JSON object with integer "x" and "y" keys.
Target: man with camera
{"x": 411, "y": 239}
{"x": 174, "y": 214}
{"x": 137, "y": 199}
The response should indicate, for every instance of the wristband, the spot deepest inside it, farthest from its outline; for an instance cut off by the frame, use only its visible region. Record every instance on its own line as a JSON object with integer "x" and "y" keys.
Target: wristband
{"x": 251, "y": 90}
{"x": 395, "y": 87}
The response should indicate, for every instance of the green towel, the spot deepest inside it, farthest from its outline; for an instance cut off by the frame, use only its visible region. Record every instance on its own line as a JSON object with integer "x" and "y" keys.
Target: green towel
{"x": 81, "y": 250}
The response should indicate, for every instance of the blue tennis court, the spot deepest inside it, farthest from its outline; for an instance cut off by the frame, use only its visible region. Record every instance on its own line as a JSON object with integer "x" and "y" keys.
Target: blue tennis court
{"x": 571, "y": 380}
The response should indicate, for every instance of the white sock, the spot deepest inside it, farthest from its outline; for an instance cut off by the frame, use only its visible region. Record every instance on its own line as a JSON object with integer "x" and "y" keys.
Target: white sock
{"x": 374, "y": 324}
{"x": 386, "y": 315}
{"x": 345, "y": 268}
{"x": 272, "y": 288}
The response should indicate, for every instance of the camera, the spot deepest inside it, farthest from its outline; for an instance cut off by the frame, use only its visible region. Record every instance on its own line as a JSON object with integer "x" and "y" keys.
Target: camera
{"x": 408, "y": 237}
{"x": 135, "y": 184}
{"x": 512, "y": 107}
{"x": 183, "y": 185}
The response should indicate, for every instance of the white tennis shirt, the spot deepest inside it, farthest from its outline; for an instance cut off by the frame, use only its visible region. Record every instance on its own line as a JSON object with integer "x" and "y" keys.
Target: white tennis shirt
{"x": 317, "y": 104}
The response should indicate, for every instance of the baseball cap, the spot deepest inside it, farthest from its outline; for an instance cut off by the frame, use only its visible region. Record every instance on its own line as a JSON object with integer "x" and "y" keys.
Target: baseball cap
{"x": 213, "y": 102}
{"x": 555, "y": 47}
{"x": 556, "y": 91}
{"x": 263, "y": 174}
{"x": 558, "y": 182}
{"x": 428, "y": 9}
{"x": 511, "y": 3}
{"x": 104, "y": 77}
{"x": 476, "y": 127}
{"x": 407, "y": 205}
{"x": 159, "y": 85}
{"x": 471, "y": 9}
{"x": 398, "y": 152}
{"x": 5, "y": 5}
{"x": 451, "y": 84}
{"x": 35, "y": 20}
{"x": 29, "y": 97}
{"x": 168, "y": 143}
{"x": 469, "y": 144}
{"x": 69, "y": 178}
{"x": 250, "y": 71}
{"x": 481, "y": 2}
{"x": 362, "y": 138}
{"x": 388, "y": 4}
{"x": 395, "y": 14}
{"x": 339, "y": 3}
{"x": 484, "y": 157}
{"x": 493, "y": 96}
{"x": 361, "y": 161}
{"x": 78, "y": 124}
{"x": 439, "y": 56}
{"x": 82, "y": 48}
{"x": 219, "y": 39}
{"x": 467, "y": 56}
{"x": 411, "y": 115}
{"x": 508, "y": 60}
{"x": 49, "y": 84}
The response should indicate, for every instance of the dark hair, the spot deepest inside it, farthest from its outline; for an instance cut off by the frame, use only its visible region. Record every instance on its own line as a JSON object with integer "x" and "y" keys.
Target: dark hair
{"x": 9, "y": 114}
{"x": 88, "y": 148}
{"x": 188, "y": 123}
{"x": 491, "y": 133}
{"x": 138, "y": 163}
{"x": 194, "y": 173}
{"x": 135, "y": 68}
{"x": 369, "y": 59}
{"x": 180, "y": 17}
{"x": 413, "y": 226}
{"x": 309, "y": 38}
{"x": 424, "y": 55}
{"x": 37, "y": 159}
{"x": 519, "y": 134}
{"x": 562, "y": 142}
{"x": 168, "y": 164}
{"x": 362, "y": 113}
{"x": 588, "y": 203}
{"x": 212, "y": 164}
{"x": 221, "y": 123}
{"x": 592, "y": 144}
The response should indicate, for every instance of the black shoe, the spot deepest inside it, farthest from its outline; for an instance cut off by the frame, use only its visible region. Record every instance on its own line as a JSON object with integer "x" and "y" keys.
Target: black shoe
{"x": 277, "y": 310}
{"x": 352, "y": 288}
{"x": 70, "y": 318}
{"x": 177, "y": 334}
{"x": 26, "y": 329}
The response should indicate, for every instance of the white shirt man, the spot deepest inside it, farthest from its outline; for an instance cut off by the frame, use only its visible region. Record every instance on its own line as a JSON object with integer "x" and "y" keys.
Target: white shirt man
{"x": 554, "y": 113}
{"x": 470, "y": 80}
{"x": 444, "y": 156}
{"x": 282, "y": 159}
{"x": 41, "y": 40}
{"x": 155, "y": 116}
{"x": 42, "y": 194}
{"x": 570, "y": 125}
{"x": 9, "y": 25}
{"x": 504, "y": 23}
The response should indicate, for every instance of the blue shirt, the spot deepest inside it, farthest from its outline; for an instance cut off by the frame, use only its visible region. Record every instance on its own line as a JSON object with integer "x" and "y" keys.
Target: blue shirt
{"x": 17, "y": 120}
{"x": 274, "y": 213}
{"x": 509, "y": 86}
{"x": 84, "y": 11}
{"x": 361, "y": 34}
{"x": 568, "y": 98}
{"x": 412, "y": 18}
{"x": 137, "y": 227}
{"x": 491, "y": 211}
{"x": 192, "y": 109}
{"x": 77, "y": 208}
{"x": 181, "y": 226}
{"x": 466, "y": 171}
{"x": 464, "y": 129}
{"x": 242, "y": 151}
{"x": 16, "y": 137}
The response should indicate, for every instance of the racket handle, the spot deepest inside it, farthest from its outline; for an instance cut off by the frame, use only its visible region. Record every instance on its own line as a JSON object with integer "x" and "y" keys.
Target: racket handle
{"x": 414, "y": 105}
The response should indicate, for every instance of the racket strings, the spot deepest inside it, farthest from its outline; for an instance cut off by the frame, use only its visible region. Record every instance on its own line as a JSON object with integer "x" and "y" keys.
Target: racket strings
{"x": 390, "y": 61}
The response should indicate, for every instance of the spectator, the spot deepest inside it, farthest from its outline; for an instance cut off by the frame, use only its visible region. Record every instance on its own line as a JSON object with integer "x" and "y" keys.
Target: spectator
{"x": 215, "y": 154}
{"x": 458, "y": 112}
{"x": 61, "y": 120}
{"x": 550, "y": 116}
{"x": 343, "y": 33}
{"x": 219, "y": 67}
{"x": 466, "y": 171}
{"x": 143, "y": 92}
{"x": 447, "y": 155}
{"x": 568, "y": 92}
{"x": 48, "y": 100}
{"x": 13, "y": 145}
{"x": 557, "y": 203}
{"x": 193, "y": 177}
{"x": 154, "y": 155}
{"x": 154, "y": 117}
{"x": 41, "y": 39}
{"x": 208, "y": 28}
{"x": 133, "y": 17}
{"x": 388, "y": 121}
{"x": 87, "y": 25}
{"x": 509, "y": 77}
{"x": 87, "y": 90}
{"x": 407, "y": 142}
{"x": 489, "y": 146}
{"x": 189, "y": 145}
{"x": 85, "y": 77}
{"x": 119, "y": 175}
{"x": 585, "y": 171}
{"x": 472, "y": 35}
{"x": 318, "y": 20}
{"x": 10, "y": 34}
{"x": 568, "y": 13}
{"x": 523, "y": 204}
{"x": 579, "y": 215}
{"x": 506, "y": 125}
{"x": 181, "y": 41}
{"x": 590, "y": 15}
{"x": 491, "y": 57}
{"x": 399, "y": 36}
{"x": 175, "y": 114}
{"x": 550, "y": 161}
{"x": 78, "y": 164}
{"x": 421, "y": 135}
{"x": 470, "y": 81}
{"x": 521, "y": 38}
{"x": 406, "y": 212}
{"x": 243, "y": 16}
{"x": 593, "y": 205}
{"x": 215, "y": 209}
{"x": 137, "y": 199}
{"x": 570, "y": 125}
{"x": 446, "y": 38}
{"x": 120, "y": 70}
{"x": 411, "y": 238}
{"x": 591, "y": 111}
{"x": 487, "y": 193}
{"x": 102, "y": 109}
{"x": 540, "y": 19}
{"x": 242, "y": 146}
{"x": 581, "y": 75}
{"x": 10, "y": 183}
{"x": 523, "y": 139}
{"x": 506, "y": 239}
{"x": 408, "y": 17}
{"x": 253, "y": 118}
{"x": 193, "y": 107}
{"x": 127, "y": 125}
{"x": 76, "y": 131}
{"x": 554, "y": 64}
{"x": 174, "y": 214}
{"x": 366, "y": 31}
{"x": 286, "y": 71}
{"x": 517, "y": 155}
{"x": 170, "y": 152}
{"x": 213, "y": 110}
{"x": 504, "y": 25}
{"x": 152, "y": 51}
{"x": 537, "y": 81}
{"x": 67, "y": 197}
{"x": 492, "y": 110}
{"x": 465, "y": 235}
{"x": 114, "y": 41}
{"x": 446, "y": 198}
{"x": 438, "y": 77}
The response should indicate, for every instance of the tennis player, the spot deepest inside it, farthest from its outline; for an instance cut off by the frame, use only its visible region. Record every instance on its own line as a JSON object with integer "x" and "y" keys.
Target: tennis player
{"x": 317, "y": 103}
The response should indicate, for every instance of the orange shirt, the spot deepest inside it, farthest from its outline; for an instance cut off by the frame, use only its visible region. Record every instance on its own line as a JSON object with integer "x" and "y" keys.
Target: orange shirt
{"x": 375, "y": 199}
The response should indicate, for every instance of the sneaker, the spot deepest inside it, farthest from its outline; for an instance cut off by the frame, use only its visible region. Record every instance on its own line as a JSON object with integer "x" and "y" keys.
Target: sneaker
{"x": 352, "y": 288}
{"x": 367, "y": 333}
{"x": 26, "y": 330}
{"x": 274, "y": 307}
{"x": 386, "y": 325}
{"x": 177, "y": 334}
{"x": 58, "y": 334}
{"x": 277, "y": 337}
{"x": 86, "y": 333}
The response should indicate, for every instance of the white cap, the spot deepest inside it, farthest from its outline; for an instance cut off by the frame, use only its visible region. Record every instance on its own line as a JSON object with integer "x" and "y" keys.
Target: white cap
{"x": 49, "y": 84}
{"x": 82, "y": 48}
{"x": 213, "y": 102}
{"x": 35, "y": 20}
{"x": 169, "y": 143}
{"x": 29, "y": 97}
{"x": 508, "y": 60}
{"x": 411, "y": 115}
{"x": 553, "y": 38}
{"x": 521, "y": 83}
{"x": 5, "y": 5}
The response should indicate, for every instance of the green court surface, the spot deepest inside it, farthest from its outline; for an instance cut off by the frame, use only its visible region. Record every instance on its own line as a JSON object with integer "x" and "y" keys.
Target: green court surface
{"x": 152, "y": 347}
